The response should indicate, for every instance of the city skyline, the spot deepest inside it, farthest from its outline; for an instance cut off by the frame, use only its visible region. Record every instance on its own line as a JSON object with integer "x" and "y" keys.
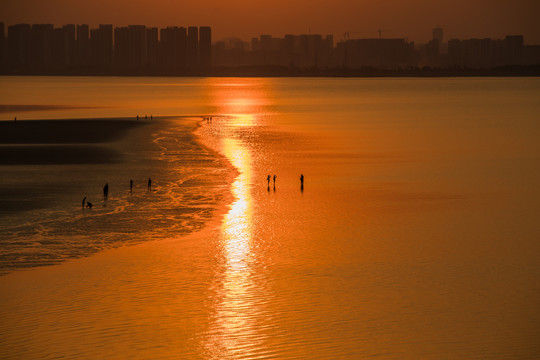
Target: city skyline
{"x": 138, "y": 49}
{"x": 413, "y": 20}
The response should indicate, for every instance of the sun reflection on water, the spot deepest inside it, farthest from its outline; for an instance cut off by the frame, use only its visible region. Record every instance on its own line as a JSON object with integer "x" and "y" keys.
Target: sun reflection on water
{"x": 234, "y": 327}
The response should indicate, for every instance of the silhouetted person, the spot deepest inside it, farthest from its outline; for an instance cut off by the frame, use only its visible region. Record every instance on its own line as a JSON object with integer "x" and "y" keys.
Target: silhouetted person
{"x": 268, "y": 180}
{"x": 275, "y": 180}
{"x": 302, "y": 182}
{"x": 83, "y": 201}
{"x": 106, "y": 191}
{"x": 150, "y": 117}
{"x": 130, "y": 185}
{"x": 15, "y": 119}
{"x": 145, "y": 117}
{"x": 137, "y": 116}
{"x": 149, "y": 184}
{"x": 88, "y": 205}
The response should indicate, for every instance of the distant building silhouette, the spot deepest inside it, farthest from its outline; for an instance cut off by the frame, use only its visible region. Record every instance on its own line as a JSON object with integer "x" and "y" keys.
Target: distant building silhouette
{"x": 205, "y": 47}
{"x": 19, "y": 46}
{"x": 152, "y": 47}
{"x": 192, "y": 47}
{"x": 65, "y": 48}
{"x": 2, "y": 46}
{"x": 102, "y": 46}
{"x": 375, "y": 52}
{"x": 175, "y": 50}
{"x": 83, "y": 46}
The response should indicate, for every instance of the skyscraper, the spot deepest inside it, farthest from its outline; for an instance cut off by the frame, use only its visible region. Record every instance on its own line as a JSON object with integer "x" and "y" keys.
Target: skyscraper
{"x": 41, "y": 47}
{"x": 2, "y": 41}
{"x": 205, "y": 47}
{"x": 172, "y": 48}
{"x": 438, "y": 35}
{"x": 192, "y": 47}
{"x": 83, "y": 45}
{"x": 19, "y": 45}
{"x": 64, "y": 47}
{"x": 151, "y": 46}
{"x": 102, "y": 45}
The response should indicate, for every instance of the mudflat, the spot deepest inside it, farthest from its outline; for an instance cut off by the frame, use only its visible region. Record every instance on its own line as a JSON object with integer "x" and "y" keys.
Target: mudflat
{"x": 66, "y": 131}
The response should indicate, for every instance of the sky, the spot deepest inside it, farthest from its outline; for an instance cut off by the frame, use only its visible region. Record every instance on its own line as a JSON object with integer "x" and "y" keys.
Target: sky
{"x": 413, "y": 19}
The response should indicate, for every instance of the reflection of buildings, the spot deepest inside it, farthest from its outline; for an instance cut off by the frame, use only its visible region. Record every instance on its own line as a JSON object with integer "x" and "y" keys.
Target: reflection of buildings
{"x": 137, "y": 49}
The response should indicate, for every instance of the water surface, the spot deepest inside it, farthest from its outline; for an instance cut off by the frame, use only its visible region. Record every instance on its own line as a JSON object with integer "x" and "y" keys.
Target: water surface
{"x": 415, "y": 235}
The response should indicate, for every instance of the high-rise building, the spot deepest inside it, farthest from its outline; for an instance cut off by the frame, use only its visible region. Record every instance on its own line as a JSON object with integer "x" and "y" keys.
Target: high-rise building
{"x": 438, "y": 35}
{"x": 138, "y": 45}
{"x": 513, "y": 49}
{"x": 172, "y": 48}
{"x": 2, "y": 45}
{"x": 64, "y": 47}
{"x": 205, "y": 47}
{"x": 121, "y": 48}
{"x": 41, "y": 47}
{"x": 101, "y": 40}
{"x": 19, "y": 46}
{"x": 83, "y": 45}
{"x": 151, "y": 46}
{"x": 192, "y": 47}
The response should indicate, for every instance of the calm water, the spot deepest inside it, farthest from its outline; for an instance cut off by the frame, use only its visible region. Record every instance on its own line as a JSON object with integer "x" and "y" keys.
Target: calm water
{"x": 416, "y": 234}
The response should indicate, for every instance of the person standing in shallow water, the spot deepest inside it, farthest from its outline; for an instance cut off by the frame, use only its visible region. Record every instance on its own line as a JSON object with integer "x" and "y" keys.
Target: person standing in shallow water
{"x": 83, "y": 201}
{"x": 106, "y": 191}
{"x": 130, "y": 185}
{"x": 149, "y": 184}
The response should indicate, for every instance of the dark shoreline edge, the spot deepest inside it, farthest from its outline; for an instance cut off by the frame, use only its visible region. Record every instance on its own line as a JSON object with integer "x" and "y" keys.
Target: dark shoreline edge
{"x": 286, "y": 71}
{"x": 66, "y": 131}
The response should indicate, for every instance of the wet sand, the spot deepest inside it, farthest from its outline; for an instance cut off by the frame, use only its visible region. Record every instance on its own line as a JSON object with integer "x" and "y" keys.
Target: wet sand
{"x": 46, "y": 177}
{"x": 56, "y": 142}
{"x": 66, "y": 131}
{"x": 12, "y": 108}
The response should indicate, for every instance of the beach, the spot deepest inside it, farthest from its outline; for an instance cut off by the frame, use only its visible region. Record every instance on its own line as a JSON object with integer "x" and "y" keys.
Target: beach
{"x": 409, "y": 239}
{"x": 50, "y": 165}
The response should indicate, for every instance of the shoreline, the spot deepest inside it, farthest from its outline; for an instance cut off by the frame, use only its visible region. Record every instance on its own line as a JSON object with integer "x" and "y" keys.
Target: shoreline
{"x": 66, "y": 131}
{"x": 532, "y": 70}
{"x": 21, "y": 200}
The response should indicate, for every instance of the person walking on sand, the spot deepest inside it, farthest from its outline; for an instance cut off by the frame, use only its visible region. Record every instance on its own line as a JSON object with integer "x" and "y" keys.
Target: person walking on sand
{"x": 83, "y": 201}
{"x": 149, "y": 184}
{"x": 268, "y": 180}
{"x": 130, "y": 185}
{"x": 275, "y": 180}
{"x": 302, "y": 180}
{"x": 106, "y": 191}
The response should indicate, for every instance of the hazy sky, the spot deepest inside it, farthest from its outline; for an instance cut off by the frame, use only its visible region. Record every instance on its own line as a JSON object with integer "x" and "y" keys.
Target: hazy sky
{"x": 413, "y": 19}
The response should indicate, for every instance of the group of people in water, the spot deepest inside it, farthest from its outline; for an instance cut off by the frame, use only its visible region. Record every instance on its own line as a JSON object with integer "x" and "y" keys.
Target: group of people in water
{"x": 88, "y": 204}
{"x": 268, "y": 178}
{"x": 145, "y": 117}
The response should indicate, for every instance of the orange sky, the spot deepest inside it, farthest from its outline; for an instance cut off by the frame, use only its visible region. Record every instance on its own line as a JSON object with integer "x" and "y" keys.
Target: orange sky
{"x": 247, "y": 18}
